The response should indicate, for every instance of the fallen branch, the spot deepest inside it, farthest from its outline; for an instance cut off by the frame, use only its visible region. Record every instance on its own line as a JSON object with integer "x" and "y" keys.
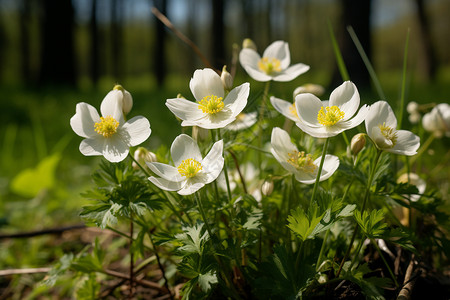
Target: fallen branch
{"x": 41, "y": 232}
{"x": 405, "y": 293}
{"x": 24, "y": 271}
{"x": 142, "y": 282}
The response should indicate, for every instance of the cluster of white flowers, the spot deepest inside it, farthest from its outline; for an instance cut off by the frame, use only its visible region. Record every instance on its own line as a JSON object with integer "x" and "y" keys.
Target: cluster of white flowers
{"x": 218, "y": 105}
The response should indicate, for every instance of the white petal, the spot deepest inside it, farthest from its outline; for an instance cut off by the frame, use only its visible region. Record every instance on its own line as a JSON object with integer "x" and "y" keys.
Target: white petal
{"x": 356, "y": 120}
{"x": 346, "y": 97}
{"x": 206, "y": 82}
{"x": 407, "y": 143}
{"x": 380, "y": 112}
{"x": 213, "y": 161}
{"x": 184, "y": 147}
{"x": 115, "y": 149}
{"x": 321, "y": 132}
{"x": 136, "y": 130}
{"x": 84, "y": 119}
{"x": 249, "y": 58}
{"x": 236, "y": 100}
{"x": 306, "y": 178}
{"x": 243, "y": 121}
{"x": 112, "y": 105}
{"x": 192, "y": 185}
{"x": 330, "y": 165}
{"x": 308, "y": 106}
{"x": 92, "y": 147}
{"x": 280, "y": 51}
{"x": 284, "y": 108}
{"x": 184, "y": 109}
{"x": 257, "y": 74}
{"x": 379, "y": 139}
{"x": 218, "y": 120}
{"x": 281, "y": 147}
{"x": 166, "y": 184}
{"x": 291, "y": 73}
{"x": 165, "y": 171}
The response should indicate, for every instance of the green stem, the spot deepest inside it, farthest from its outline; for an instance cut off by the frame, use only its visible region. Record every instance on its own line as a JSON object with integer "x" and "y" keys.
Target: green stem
{"x": 166, "y": 282}
{"x": 262, "y": 109}
{"x": 385, "y": 262}
{"x": 225, "y": 172}
{"x": 131, "y": 257}
{"x": 366, "y": 196}
{"x": 322, "y": 248}
{"x": 402, "y": 95}
{"x": 322, "y": 160}
{"x": 358, "y": 248}
{"x": 202, "y": 213}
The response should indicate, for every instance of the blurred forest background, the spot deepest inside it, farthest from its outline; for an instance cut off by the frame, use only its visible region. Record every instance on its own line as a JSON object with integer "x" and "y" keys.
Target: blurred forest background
{"x": 55, "y": 53}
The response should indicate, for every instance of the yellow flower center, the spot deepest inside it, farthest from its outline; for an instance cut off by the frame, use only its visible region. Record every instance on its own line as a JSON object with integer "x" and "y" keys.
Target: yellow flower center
{"x": 293, "y": 110}
{"x": 107, "y": 126}
{"x": 330, "y": 116}
{"x": 269, "y": 65}
{"x": 389, "y": 133}
{"x": 301, "y": 161}
{"x": 189, "y": 167}
{"x": 211, "y": 104}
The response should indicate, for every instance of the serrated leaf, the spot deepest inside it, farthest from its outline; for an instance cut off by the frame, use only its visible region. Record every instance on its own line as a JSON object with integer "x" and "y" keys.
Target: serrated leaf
{"x": 89, "y": 289}
{"x": 371, "y": 223}
{"x": 206, "y": 281}
{"x": 59, "y": 269}
{"x": 253, "y": 219}
{"x": 192, "y": 239}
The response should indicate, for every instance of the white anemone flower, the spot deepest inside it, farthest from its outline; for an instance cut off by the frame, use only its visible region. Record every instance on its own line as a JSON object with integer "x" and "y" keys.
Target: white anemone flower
{"x": 213, "y": 109}
{"x": 273, "y": 65}
{"x": 108, "y": 135}
{"x": 413, "y": 179}
{"x": 437, "y": 120}
{"x": 285, "y": 108}
{"x": 381, "y": 125}
{"x": 302, "y": 165}
{"x": 191, "y": 172}
{"x": 243, "y": 121}
{"x": 323, "y": 119}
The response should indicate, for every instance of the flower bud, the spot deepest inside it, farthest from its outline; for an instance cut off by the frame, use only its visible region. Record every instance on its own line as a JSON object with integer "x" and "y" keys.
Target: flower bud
{"x": 358, "y": 143}
{"x": 127, "y": 100}
{"x": 227, "y": 79}
{"x": 412, "y": 107}
{"x": 142, "y": 156}
{"x": 267, "y": 187}
{"x": 248, "y": 43}
{"x": 414, "y": 118}
{"x": 312, "y": 88}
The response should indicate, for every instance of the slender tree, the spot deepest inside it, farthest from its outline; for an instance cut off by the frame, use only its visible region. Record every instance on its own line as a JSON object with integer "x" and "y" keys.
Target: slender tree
{"x": 218, "y": 34}
{"x": 429, "y": 58}
{"x": 117, "y": 39}
{"x": 160, "y": 49}
{"x": 57, "y": 60}
{"x": 94, "y": 67}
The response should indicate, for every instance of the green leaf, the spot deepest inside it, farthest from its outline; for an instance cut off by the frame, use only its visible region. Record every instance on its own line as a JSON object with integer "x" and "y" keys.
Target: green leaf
{"x": 30, "y": 182}
{"x": 89, "y": 289}
{"x": 205, "y": 281}
{"x": 59, "y": 269}
{"x": 370, "y": 286}
{"x": 102, "y": 215}
{"x": 192, "y": 239}
{"x": 372, "y": 223}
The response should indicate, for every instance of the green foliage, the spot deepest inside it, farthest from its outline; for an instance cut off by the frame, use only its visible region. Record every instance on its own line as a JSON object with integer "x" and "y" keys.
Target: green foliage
{"x": 89, "y": 288}
{"x": 371, "y": 286}
{"x": 372, "y": 224}
{"x": 192, "y": 239}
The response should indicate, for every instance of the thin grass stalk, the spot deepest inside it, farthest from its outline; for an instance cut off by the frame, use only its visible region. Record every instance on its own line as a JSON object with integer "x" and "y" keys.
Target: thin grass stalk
{"x": 337, "y": 53}
{"x": 322, "y": 160}
{"x": 403, "y": 89}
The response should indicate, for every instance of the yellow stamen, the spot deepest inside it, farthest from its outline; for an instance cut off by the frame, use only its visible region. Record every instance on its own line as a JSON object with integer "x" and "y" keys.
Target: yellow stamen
{"x": 293, "y": 110}
{"x": 389, "y": 133}
{"x": 107, "y": 126}
{"x": 189, "y": 167}
{"x": 332, "y": 115}
{"x": 269, "y": 65}
{"x": 211, "y": 104}
{"x": 302, "y": 162}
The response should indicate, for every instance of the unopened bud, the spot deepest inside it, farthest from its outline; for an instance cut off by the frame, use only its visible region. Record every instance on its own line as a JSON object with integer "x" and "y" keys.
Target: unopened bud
{"x": 358, "y": 143}
{"x": 143, "y": 156}
{"x": 267, "y": 187}
{"x": 249, "y": 44}
{"x": 312, "y": 88}
{"x": 127, "y": 100}
{"x": 414, "y": 118}
{"x": 412, "y": 107}
{"x": 180, "y": 96}
{"x": 227, "y": 79}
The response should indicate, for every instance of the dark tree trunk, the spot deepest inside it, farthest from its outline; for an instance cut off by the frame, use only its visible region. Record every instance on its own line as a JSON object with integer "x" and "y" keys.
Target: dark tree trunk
{"x": 160, "y": 44}
{"x": 429, "y": 58}
{"x": 355, "y": 13}
{"x": 117, "y": 39}
{"x": 57, "y": 61}
{"x": 94, "y": 67}
{"x": 25, "y": 41}
{"x": 218, "y": 34}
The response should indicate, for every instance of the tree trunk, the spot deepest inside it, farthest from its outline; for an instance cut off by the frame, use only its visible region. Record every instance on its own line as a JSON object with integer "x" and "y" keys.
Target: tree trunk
{"x": 117, "y": 40}
{"x": 94, "y": 67}
{"x": 429, "y": 58}
{"x": 355, "y": 13}
{"x": 57, "y": 60}
{"x": 218, "y": 34}
{"x": 160, "y": 53}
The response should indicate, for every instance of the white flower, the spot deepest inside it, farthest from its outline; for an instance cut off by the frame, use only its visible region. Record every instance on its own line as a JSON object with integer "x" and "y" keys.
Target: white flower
{"x": 298, "y": 163}
{"x": 381, "y": 127}
{"x": 311, "y": 88}
{"x": 243, "y": 121}
{"x": 108, "y": 135}
{"x": 415, "y": 180}
{"x": 191, "y": 171}
{"x": 124, "y": 97}
{"x": 285, "y": 108}
{"x": 324, "y": 119}
{"x": 437, "y": 120}
{"x": 273, "y": 65}
{"x": 212, "y": 110}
